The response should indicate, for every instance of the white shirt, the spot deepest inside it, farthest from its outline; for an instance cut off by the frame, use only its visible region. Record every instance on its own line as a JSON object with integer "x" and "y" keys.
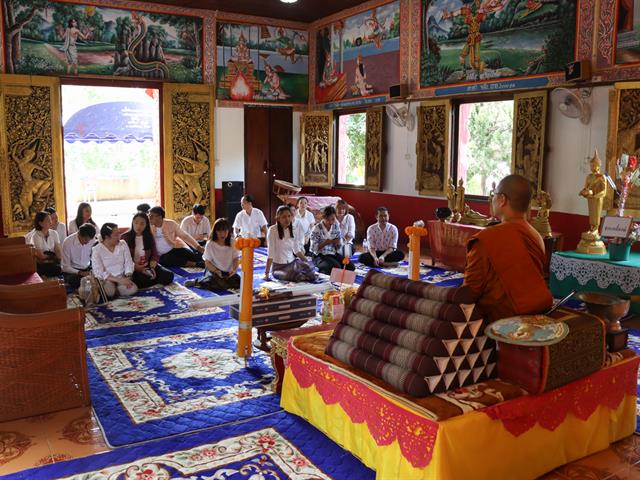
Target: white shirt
{"x": 250, "y": 225}
{"x": 76, "y": 256}
{"x": 138, "y": 251}
{"x": 44, "y": 244}
{"x": 221, "y": 256}
{"x": 161, "y": 242}
{"x": 306, "y": 222}
{"x": 348, "y": 228}
{"x": 61, "y": 229}
{"x": 283, "y": 250}
{"x": 106, "y": 263}
{"x": 194, "y": 229}
{"x": 379, "y": 239}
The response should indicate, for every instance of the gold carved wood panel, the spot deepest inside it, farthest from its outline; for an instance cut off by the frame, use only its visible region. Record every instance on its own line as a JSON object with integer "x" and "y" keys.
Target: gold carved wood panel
{"x": 316, "y": 142}
{"x": 432, "y": 148}
{"x": 374, "y": 154}
{"x": 189, "y": 164}
{"x": 31, "y": 167}
{"x": 624, "y": 137}
{"x": 529, "y": 123}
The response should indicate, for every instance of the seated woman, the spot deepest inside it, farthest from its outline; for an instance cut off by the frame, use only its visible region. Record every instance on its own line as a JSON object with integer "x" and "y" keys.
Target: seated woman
{"x": 60, "y": 228}
{"x": 347, "y": 227}
{"x": 142, "y": 248}
{"x": 221, "y": 260}
{"x": 306, "y": 220}
{"x": 196, "y": 224}
{"x": 285, "y": 252}
{"x": 325, "y": 242}
{"x": 112, "y": 263}
{"x": 47, "y": 245}
{"x": 82, "y": 216}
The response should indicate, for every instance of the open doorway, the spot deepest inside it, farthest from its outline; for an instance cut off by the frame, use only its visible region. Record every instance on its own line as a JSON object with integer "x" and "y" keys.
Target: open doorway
{"x": 111, "y": 150}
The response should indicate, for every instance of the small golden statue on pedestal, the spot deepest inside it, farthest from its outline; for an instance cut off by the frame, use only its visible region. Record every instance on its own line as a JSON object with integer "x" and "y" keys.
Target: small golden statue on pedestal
{"x": 595, "y": 189}
{"x": 541, "y": 221}
{"x": 492, "y": 193}
{"x": 451, "y": 198}
{"x": 459, "y": 205}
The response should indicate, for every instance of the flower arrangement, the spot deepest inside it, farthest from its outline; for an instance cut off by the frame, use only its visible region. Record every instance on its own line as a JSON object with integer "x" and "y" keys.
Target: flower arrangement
{"x": 628, "y": 176}
{"x": 632, "y": 237}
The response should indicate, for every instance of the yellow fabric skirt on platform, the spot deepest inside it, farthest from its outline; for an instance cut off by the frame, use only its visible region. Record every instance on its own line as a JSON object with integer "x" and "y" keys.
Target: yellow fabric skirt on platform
{"x": 471, "y": 446}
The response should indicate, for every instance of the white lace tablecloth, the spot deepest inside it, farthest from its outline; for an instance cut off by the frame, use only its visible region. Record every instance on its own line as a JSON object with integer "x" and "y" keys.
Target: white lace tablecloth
{"x": 604, "y": 273}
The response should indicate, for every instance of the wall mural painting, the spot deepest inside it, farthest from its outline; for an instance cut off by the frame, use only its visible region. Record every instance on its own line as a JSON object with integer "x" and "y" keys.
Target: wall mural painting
{"x": 44, "y": 37}
{"x": 262, "y": 63}
{"x": 628, "y": 32}
{"x": 359, "y": 56}
{"x": 475, "y": 40}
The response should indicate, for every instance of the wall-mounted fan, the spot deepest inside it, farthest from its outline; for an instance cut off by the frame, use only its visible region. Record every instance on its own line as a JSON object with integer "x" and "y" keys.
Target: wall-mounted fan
{"x": 401, "y": 116}
{"x": 573, "y": 104}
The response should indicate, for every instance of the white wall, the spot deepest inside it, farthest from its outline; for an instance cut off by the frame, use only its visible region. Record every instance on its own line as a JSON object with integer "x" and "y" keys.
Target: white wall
{"x": 229, "y": 145}
{"x": 570, "y": 146}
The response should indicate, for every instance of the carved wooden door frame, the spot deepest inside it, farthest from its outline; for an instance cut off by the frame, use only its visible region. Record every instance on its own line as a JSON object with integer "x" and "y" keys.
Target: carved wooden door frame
{"x": 318, "y": 178}
{"x": 422, "y": 153}
{"x": 374, "y": 149}
{"x": 522, "y": 120}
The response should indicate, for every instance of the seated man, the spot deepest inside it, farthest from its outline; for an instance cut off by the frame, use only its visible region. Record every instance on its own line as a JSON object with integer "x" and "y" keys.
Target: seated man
{"x": 76, "y": 254}
{"x": 196, "y": 224}
{"x": 505, "y": 262}
{"x": 250, "y": 221}
{"x": 172, "y": 241}
{"x": 382, "y": 241}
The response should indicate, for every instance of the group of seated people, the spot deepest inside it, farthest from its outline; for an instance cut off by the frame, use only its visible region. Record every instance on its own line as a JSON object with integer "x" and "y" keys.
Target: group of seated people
{"x": 139, "y": 257}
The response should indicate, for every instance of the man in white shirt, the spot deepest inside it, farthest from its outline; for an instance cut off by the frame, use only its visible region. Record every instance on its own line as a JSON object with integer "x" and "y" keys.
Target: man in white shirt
{"x": 76, "y": 254}
{"x": 382, "y": 240}
{"x": 250, "y": 222}
{"x": 59, "y": 227}
{"x": 197, "y": 225}
{"x": 172, "y": 241}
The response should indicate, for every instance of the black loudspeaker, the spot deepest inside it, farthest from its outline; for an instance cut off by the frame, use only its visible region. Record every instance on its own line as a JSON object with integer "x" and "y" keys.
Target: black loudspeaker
{"x": 230, "y": 210}
{"x": 398, "y": 91}
{"x": 232, "y": 192}
{"x": 579, "y": 71}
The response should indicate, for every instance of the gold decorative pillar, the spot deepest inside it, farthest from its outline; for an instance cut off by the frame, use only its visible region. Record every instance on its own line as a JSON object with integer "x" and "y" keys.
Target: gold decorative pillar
{"x": 316, "y": 147}
{"x": 432, "y": 148}
{"x": 529, "y": 123}
{"x": 189, "y": 164}
{"x": 31, "y": 167}
{"x": 374, "y": 153}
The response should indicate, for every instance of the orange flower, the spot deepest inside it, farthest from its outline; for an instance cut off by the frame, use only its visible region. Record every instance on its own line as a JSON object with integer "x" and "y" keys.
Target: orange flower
{"x": 346, "y": 261}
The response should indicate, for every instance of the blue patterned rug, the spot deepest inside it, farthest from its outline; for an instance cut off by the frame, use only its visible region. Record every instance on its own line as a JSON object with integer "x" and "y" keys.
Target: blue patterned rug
{"x": 276, "y": 447}
{"x": 634, "y": 344}
{"x": 163, "y": 382}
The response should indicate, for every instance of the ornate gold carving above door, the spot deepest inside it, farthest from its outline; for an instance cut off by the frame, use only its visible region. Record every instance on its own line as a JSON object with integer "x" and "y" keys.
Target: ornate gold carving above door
{"x": 374, "y": 154}
{"x": 316, "y": 159}
{"x": 432, "y": 149}
{"x": 189, "y": 164}
{"x": 31, "y": 175}
{"x": 529, "y": 123}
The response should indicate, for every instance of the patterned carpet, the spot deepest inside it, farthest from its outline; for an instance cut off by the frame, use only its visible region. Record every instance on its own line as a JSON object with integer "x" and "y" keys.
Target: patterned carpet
{"x": 154, "y": 384}
{"x": 275, "y": 447}
{"x": 634, "y": 344}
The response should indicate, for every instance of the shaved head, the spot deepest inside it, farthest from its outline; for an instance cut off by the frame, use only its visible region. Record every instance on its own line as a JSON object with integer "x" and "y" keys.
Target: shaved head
{"x": 517, "y": 190}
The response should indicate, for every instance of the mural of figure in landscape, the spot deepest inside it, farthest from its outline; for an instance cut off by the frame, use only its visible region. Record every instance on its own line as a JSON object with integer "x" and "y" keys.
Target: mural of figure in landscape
{"x": 628, "y": 32}
{"x": 475, "y": 40}
{"x": 359, "y": 56}
{"x": 63, "y": 38}
{"x": 262, "y": 63}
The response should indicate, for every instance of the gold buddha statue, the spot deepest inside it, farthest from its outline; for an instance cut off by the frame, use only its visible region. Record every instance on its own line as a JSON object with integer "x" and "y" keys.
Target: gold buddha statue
{"x": 595, "y": 191}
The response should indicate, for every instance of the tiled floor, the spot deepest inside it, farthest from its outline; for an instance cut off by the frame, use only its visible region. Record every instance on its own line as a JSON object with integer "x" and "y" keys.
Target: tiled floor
{"x": 75, "y": 433}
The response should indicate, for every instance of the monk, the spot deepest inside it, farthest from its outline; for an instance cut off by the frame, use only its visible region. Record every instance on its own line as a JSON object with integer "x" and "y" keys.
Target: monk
{"x": 505, "y": 262}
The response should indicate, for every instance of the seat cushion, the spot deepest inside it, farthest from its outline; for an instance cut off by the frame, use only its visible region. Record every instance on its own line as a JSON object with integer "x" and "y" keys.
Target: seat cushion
{"x": 20, "y": 278}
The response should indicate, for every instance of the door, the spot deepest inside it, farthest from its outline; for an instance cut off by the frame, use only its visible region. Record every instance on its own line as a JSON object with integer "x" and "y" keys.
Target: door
{"x": 268, "y": 144}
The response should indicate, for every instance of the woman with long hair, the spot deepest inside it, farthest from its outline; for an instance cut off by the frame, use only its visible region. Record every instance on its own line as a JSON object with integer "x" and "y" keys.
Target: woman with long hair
{"x": 326, "y": 240}
{"x": 112, "y": 263}
{"x": 142, "y": 247}
{"x": 47, "y": 245}
{"x": 221, "y": 260}
{"x": 285, "y": 251}
{"x": 347, "y": 227}
{"x": 306, "y": 220}
{"x": 82, "y": 216}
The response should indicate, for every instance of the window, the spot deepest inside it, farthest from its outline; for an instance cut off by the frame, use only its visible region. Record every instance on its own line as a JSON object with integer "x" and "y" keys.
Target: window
{"x": 352, "y": 133}
{"x": 485, "y": 135}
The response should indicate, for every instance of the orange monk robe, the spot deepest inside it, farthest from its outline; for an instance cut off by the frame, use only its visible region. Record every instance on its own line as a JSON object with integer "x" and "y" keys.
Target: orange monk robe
{"x": 505, "y": 271}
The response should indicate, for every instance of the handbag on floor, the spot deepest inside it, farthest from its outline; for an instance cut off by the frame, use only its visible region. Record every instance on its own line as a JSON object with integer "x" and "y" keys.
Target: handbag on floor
{"x": 91, "y": 291}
